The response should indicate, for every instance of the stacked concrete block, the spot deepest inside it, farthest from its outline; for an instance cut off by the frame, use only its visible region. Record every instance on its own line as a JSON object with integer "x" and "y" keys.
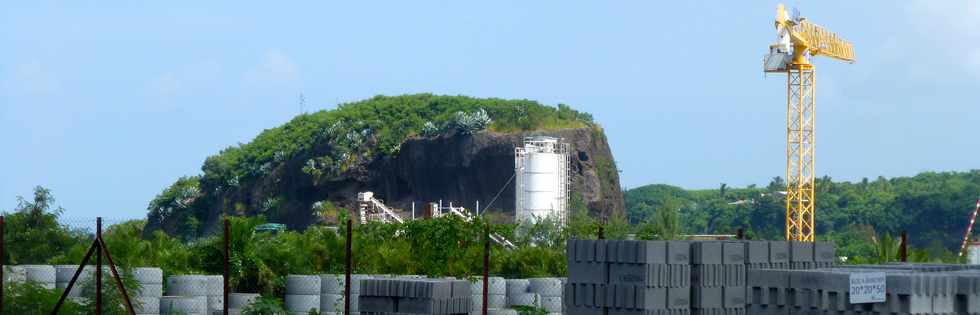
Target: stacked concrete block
{"x": 789, "y": 255}
{"x": 909, "y": 290}
{"x": 238, "y": 302}
{"x": 215, "y": 290}
{"x": 332, "y": 293}
{"x": 824, "y": 255}
{"x": 767, "y": 291}
{"x": 64, "y": 273}
{"x": 189, "y": 305}
{"x": 801, "y": 255}
{"x": 191, "y": 288}
{"x": 628, "y": 277}
{"x": 496, "y": 294}
{"x": 967, "y": 292}
{"x": 718, "y": 277}
{"x": 767, "y": 254}
{"x": 147, "y": 298}
{"x": 549, "y": 291}
{"x": 519, "y": 293}
{"x": 588, "y": 276}
{"x": 303, "y": 293}
{"x": 779, "y": 255}
{"x": 42, "y": 275}
{"x": 415, "y": 296}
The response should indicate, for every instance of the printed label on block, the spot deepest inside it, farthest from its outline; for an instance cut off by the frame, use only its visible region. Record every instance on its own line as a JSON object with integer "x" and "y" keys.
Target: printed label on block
{"x": 867, "y": 287}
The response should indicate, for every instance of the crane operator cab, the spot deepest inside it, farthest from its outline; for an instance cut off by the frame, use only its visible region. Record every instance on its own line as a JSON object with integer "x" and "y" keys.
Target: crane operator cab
{"x": 779, "y": 52}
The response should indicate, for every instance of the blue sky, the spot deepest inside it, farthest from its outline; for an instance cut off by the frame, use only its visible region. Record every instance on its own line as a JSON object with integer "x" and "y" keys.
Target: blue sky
{"x": 108, "y": 105}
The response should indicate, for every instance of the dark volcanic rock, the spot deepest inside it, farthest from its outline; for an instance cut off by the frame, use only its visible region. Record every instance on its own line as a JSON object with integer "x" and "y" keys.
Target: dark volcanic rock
{"x": 458, "y": 168}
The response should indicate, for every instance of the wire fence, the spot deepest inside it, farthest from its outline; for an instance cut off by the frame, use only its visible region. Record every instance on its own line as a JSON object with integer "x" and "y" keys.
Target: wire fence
{"x": 84, "y": 245}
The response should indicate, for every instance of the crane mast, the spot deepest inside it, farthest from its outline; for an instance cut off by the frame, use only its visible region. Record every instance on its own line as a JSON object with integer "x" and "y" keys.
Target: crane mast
{"x": 797, "y": 41}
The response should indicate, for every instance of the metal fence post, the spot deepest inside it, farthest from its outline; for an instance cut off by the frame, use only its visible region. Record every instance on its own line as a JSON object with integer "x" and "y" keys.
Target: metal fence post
{"x": 486, "y": 267}
{"x": 2, "y": 253}
{"x": 348, "y": 266}
{"x": 98, "y": 267}
{"x": 227, "y": 267}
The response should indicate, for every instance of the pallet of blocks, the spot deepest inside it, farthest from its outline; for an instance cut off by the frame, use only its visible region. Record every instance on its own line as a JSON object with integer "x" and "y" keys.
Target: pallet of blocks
{"x": 414, "y": 296}
{"x": 628, "y": 277}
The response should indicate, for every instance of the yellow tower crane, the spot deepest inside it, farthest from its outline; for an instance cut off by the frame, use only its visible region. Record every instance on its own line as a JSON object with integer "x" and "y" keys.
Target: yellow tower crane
{"x": 797, "y": 41}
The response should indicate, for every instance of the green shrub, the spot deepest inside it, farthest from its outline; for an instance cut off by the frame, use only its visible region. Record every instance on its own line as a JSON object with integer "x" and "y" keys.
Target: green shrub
{"x": 30, "y": 298}
{"x": 265, "y": 306}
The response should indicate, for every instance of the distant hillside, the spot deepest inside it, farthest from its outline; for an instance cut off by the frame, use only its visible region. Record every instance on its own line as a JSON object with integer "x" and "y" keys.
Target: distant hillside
{"x": 933, "y": 207}
{"x": 404, "y": 148}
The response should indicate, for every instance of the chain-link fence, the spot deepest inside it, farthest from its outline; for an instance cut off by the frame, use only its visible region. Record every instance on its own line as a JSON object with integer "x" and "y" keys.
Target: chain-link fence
{"x": 250, "y": 268}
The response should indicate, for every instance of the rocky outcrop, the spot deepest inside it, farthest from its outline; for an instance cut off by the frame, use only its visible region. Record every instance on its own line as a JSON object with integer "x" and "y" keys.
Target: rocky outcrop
{"x": 462, "y": 168}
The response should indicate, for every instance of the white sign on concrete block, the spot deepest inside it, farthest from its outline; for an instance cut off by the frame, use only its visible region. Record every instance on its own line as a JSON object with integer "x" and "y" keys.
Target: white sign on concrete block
{"x": 867, "y": 287}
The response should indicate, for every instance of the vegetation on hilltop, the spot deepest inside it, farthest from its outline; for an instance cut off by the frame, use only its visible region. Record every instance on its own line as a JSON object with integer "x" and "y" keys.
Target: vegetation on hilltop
{"x": 329, "y": 143}
{"x": 932, "y": 207}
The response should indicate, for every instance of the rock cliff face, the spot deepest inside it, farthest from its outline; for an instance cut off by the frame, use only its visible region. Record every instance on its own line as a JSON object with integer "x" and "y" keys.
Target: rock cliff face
{"x": 456, "y": 167}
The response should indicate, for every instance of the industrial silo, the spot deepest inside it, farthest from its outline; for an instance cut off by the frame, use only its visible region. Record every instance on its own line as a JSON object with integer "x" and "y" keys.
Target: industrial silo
{"x": 541, "y": 172}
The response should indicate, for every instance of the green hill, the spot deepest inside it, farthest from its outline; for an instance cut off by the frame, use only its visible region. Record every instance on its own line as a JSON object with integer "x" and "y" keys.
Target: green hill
{"x": 933, "y": 207}
{"x": 406, "y": 148}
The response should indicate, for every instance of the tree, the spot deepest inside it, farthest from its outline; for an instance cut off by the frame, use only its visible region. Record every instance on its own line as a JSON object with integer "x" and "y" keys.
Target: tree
{"x": 665, "y": 225}
{"x": 31, "y": 298}
{"x": 33, "y": 234}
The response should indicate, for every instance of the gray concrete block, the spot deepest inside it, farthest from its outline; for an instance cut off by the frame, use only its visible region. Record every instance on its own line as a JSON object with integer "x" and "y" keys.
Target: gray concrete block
{"x": 756, "y": 252}
{"x": 631, "y": 251}
{"x": 734, "y": 297}
{"x": 706, "y": 253}
{"x": 800, "y": 252}
{"x": 585, "y": 295}
{"x": 454, "y": 305}
{"x": 583, "y": 310}
{"x": 586, "y": 250}
{"x": 733, "y": 253}
{"x": 517, "y": 286}
{"x": 461, "y": 288}
{"x": 650, "y": 275}
{"x": 706, "y": 297}
{"x": 636, "y": 297}
{"x": 588, "y": 272}
{"x": 376, "y": 304}
{"x": 679, "y": 298}
{"x": 678, "y": 252}
{"x": 824, "y": 252}
{"x": 295, "y": 284}
{"x": 778, "y": 252}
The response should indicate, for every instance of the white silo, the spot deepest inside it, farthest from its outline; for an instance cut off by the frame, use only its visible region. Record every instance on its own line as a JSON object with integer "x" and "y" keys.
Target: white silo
{"x": 541, "y": 171}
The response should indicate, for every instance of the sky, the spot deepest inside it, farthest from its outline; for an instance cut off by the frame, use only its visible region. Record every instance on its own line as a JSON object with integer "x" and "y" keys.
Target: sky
{"x": 107, "y": 106}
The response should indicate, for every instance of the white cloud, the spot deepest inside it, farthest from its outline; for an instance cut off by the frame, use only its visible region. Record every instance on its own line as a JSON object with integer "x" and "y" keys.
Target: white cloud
{"x": 276, "y": 69}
